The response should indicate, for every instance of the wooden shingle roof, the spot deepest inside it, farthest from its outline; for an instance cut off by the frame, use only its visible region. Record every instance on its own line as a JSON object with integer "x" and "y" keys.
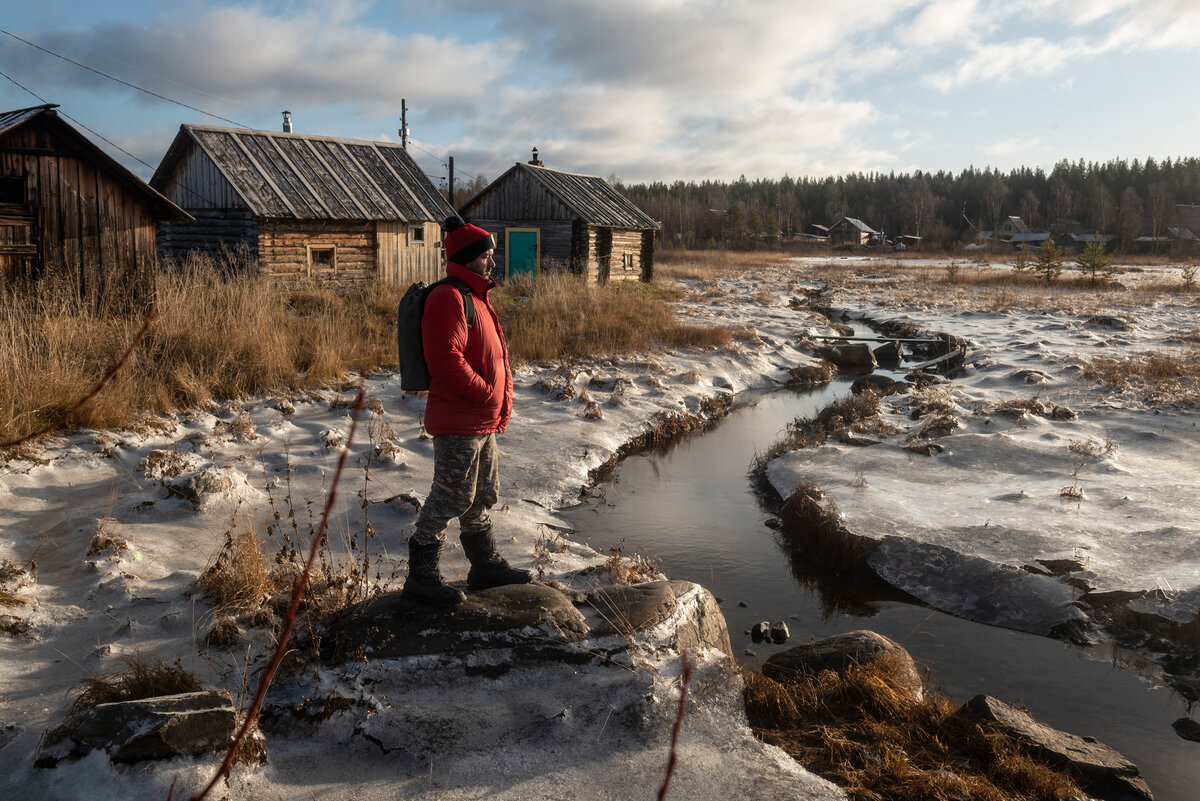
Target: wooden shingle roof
{"x": 588, "y": 197}
{"x": 304, "y": 177}
{"x": 46, "y": 116}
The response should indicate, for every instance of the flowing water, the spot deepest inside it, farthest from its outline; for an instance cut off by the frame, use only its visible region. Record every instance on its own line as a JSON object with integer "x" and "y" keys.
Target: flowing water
{"x": 694, "y": 508}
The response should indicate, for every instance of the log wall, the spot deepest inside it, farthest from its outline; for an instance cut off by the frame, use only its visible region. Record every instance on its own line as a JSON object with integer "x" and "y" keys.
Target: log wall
{"x": 284, "y": 247}
{"x": 89, "y": 230}
{"x": 557, "y": 238}
{"x": 216, "y": 233}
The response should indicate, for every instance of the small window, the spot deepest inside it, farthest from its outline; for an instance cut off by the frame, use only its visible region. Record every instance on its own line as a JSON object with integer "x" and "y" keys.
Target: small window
{"x": 322, "y": 258}
{"x": 12, "y": 190}
{"x": 416, "y": 234}
{"x": 627, "y": 260}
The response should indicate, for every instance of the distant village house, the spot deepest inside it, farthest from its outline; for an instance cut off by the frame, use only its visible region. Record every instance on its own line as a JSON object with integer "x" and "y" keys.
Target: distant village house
{"x": 854, "y": 233}
{"x": 304, "y": 208}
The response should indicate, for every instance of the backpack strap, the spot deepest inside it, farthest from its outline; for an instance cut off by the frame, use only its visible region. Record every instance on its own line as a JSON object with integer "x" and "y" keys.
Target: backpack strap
{"x": 467, "y": 296}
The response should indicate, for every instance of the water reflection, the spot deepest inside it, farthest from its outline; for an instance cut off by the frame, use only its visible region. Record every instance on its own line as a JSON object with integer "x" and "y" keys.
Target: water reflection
{"x": 694, "y": 507}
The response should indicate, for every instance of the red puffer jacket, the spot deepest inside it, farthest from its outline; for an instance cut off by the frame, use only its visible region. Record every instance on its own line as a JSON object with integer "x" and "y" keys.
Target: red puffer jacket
{"x": 470, "y": 383}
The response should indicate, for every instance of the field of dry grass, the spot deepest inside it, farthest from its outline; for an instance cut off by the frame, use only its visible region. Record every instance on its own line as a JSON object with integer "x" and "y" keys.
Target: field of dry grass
{"x": 218, "y": 338}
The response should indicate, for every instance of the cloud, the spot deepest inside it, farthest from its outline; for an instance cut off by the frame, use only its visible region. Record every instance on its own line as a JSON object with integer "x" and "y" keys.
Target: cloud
{"x": 1001, "y": 61}
{"x": 945, "y": 21}
{"x": 240, "y": 58}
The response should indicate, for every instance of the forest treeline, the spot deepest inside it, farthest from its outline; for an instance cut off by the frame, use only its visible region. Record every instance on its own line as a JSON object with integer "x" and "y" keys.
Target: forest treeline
{"x": 1126, "y": 199}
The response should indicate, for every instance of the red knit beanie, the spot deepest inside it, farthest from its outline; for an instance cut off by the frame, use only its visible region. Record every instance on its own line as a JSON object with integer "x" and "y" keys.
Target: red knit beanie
{"x": 465, "y": 242}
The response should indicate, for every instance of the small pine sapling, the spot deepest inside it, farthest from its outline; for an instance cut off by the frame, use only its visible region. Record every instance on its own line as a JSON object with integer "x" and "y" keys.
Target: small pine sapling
{"x": 1095, "y": 261}
{"x": 1049, "y": 261}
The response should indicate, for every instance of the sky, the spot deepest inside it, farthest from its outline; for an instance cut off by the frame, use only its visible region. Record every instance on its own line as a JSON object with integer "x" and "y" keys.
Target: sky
{"x": 639, "y": 90}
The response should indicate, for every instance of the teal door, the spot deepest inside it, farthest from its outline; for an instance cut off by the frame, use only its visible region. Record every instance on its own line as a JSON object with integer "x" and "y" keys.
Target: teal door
{"x": 522, "y": 252}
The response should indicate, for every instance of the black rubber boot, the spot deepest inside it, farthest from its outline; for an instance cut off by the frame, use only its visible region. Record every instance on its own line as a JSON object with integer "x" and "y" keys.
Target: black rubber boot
{"x": 424, "y": 580}
{"x": 488, "y": 568}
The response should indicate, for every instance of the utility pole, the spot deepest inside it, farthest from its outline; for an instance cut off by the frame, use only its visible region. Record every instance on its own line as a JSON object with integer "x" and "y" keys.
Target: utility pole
{"x": 403, "y": 124}
{"x": 450, "y": 193}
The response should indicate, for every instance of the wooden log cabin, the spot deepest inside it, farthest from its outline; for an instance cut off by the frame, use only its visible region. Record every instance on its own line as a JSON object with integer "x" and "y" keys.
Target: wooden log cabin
{"x": 545, "y": 218}
{"x": 71, "y": 214}
{"x": 303, "y": 208}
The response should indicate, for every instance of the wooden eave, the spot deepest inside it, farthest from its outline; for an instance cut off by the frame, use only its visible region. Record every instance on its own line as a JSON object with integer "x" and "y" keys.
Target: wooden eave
{"x": 87, "y": 151}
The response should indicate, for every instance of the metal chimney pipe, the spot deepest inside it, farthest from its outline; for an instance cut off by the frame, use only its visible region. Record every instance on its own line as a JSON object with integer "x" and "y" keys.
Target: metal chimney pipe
{"x": 287, "y": 122}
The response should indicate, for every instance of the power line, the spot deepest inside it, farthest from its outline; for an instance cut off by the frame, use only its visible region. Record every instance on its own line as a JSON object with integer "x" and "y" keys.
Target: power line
{"x": 439, "y": 160}
{"x": 118, "y": 80}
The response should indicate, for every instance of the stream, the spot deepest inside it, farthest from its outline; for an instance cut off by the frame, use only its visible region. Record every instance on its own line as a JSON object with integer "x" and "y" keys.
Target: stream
{"x": 693, "y": 508}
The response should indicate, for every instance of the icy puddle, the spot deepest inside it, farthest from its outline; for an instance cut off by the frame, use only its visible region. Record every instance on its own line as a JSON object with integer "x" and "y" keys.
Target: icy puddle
{"x": 693, "y": 507}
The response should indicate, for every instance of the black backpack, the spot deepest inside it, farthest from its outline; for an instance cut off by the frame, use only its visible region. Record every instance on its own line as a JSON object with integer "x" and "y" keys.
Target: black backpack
{"x": 414, "y": 373}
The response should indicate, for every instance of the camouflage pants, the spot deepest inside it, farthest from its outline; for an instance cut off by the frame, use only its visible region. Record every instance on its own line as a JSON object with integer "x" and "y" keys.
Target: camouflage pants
{"x": 466, "y": 483}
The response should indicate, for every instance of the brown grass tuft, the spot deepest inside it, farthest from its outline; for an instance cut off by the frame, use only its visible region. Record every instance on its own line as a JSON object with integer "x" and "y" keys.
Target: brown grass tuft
{"x": 858, "y": 729}
{"x": 140, "y": 679}
{"x": 1157, "y": 377}
{"x": 711, "y": 264}
{"x": 238, "y": 578}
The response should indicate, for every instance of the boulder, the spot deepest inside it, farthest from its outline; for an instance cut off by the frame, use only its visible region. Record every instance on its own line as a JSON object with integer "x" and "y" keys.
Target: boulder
{"x": 851, "y": 357}
{"x": 527, "y": 623}
{"x": 779, "y": 632}
{"x": 152, "y": 728}
{"x": 841, "y": 651}
{"x": 879, "y": 384}
{"x": 889, "y": 355}
{"x": 535, "y": 621}
{"x": 760, "y": 630}
{"x": 1186, "y": 728}
{"x": 640, "y": 606}
{"x": 1098, "y": 769}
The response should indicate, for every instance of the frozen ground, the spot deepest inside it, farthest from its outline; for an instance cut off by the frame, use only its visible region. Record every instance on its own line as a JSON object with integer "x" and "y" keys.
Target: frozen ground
{"x": 956, "y": 528}
{"x": 1052, "y": 503}
{"x": 420, "y": 727}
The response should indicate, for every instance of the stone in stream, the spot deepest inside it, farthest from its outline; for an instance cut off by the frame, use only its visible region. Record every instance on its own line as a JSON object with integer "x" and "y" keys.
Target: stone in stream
{"x": 779, "y": 632}
{"x": 760, "y": 630}
{"x": 1098, "y": 769}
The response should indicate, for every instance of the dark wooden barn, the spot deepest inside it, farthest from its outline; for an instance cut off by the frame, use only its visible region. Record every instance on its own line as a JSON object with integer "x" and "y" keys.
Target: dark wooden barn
{"x": 544, "y": 218}
{"x": 69, "y": 212}
{"x": 304, "y": 208}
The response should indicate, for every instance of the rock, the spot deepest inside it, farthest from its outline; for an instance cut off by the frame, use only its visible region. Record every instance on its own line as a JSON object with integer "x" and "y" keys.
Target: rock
{"x": 760, "y": 630}
{"x": 852, "y": 357}
{"x": 640, "y": 606}
{"x": 779, "y": 632}
{"x": 841, "y": 651}
{"x": 196, "y": 486}
{"x": 528, "y": 623}
{"x": 1186, "y": 728}
{"x": 879, "y": 384}
{"x": 153, "y": 728}
{"x": 889, "y": 355}
{"x": 8, "y": 733}
{"x": 535, "y": 621}
{"x": 1098, "y": 769}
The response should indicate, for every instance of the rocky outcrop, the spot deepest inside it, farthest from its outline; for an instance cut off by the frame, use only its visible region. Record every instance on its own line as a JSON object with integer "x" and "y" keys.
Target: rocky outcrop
{"x": 1098, "y": 769}
{"x": 153, "y": 728}
{"x": 523, "y": 623}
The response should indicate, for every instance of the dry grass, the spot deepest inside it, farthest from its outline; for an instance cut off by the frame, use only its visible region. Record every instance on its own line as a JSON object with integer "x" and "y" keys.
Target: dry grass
{"x": 710, "y": 264}
{"x": 557, "y": 317}
{"x": 214, "y": 337}
{"x": 982, "y": 286}
{"x": 853, "y": 414}
{"x": 860, "y": 729}
{"x": 1156, "y": 377}
{"x": 140, "y": 679}
{"x": 238, "y": 578}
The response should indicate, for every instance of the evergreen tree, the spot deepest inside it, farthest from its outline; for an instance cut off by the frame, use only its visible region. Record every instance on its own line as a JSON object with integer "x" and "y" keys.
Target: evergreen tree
{"x": 1049, "y": 261}
{"x": 1094, "y": 260}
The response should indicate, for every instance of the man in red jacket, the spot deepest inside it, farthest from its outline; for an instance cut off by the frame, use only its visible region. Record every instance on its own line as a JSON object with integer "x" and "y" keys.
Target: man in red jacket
{"x": 470, "y": 401}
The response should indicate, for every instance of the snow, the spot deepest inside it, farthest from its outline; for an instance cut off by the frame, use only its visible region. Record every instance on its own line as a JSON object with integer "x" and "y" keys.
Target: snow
{"x": 955, "y": 529}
